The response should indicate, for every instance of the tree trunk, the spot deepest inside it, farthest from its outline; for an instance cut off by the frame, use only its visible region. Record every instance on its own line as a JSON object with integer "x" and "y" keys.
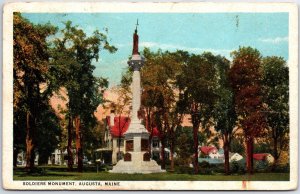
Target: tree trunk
{"x": 172, "y": 154}
{"x": 119, "y": 140}
{"x": 79, "y": 151}
{"x": 249, "y": 163}
{"x": 15, "y": 157}
{"x": 69, "y": 147}
{"x": 195, "y": 134}
{"x": 149, "y": 128}
{"x": 226, "y": 154}
{"x": 275, "y": 149}
{"x": 162, "y": 153}
{"x": 30, "y": 141}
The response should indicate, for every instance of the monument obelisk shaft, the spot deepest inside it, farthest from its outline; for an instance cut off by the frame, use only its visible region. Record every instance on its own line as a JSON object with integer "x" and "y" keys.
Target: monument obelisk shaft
{"x": 137, "y": 158}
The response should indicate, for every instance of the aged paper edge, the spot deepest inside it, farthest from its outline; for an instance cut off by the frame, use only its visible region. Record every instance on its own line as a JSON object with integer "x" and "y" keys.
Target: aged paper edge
{"x": 86, "y": 7}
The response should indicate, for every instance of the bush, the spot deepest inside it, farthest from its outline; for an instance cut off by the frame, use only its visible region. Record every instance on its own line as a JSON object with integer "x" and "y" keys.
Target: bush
{"x": 281, "y": 168}
{"x": 184, "y": 170}
{"x": 204, "y": 164}
{"x": 261, "y": 166}
{"x": 238, "y": 167}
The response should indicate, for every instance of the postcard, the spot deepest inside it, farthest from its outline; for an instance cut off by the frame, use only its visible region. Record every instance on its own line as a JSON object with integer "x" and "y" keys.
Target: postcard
{"x": 150, "y": 96}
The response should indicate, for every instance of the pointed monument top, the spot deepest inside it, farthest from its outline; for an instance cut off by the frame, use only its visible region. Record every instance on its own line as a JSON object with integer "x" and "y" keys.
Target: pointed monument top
{"x": 136, "y": 25}
{"x": 135, "y": 50}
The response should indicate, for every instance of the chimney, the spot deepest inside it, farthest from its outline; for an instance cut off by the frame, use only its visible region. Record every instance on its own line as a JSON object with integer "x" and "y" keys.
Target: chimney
{"x": 112, "y": 118}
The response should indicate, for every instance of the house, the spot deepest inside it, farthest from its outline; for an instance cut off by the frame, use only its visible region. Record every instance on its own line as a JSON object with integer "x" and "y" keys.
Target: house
{"x": 264, "y": 157}
{"x": 21, "y": 159}
{"x": 56, "y": 158}
{"x": 234, "y": 157}
{"x": 59, "y": 157}
{"x": 211, "y": 152}
{"x": 114, "y": 148}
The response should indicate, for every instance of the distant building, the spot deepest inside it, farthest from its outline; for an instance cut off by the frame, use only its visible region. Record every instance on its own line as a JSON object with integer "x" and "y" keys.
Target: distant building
{"x": 21, "y": 159}
{"x": 212, "y": 155}
{"x": 265, "y": 157}
{"x": 114, "y": 148}
{"x": 210, "y": 151}
{"x": 235, "y": 157}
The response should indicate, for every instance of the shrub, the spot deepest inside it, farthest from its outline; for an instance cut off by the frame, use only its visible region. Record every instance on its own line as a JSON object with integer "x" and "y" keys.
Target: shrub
{"x": 184, "y": 170}
{"x": 238, "y": 167}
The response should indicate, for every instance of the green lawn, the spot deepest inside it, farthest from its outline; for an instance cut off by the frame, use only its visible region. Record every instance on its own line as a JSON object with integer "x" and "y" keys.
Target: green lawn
{"x": 62, "y": 174}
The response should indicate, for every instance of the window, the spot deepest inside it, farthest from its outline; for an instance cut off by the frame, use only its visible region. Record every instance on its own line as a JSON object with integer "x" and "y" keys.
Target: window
{"x": 155, "y": 143}
{"x": 120, "y": 142}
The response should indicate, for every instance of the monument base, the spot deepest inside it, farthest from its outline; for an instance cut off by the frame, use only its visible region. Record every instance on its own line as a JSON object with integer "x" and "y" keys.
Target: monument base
{"x": 141, "y": 167}
{"x": 137, "y": 165}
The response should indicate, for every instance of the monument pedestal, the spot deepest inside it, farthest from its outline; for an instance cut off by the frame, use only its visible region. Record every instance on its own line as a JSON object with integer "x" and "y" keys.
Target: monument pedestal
{"x": 137, "y": 165}
{"x": 137, "y": 158}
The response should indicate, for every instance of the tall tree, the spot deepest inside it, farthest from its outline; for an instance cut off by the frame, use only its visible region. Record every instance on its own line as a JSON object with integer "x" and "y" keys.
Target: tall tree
{"x": 224, "y": 112}
{"x": 276, "y": 97}
{"x": 197, "y": 86}
{"x": 31, "y": 72}
{"x": 160, "y": 95}
{"x": 74, "y": 53}
{"x": 122, "y": 107}
{"x": 246, "y": 81}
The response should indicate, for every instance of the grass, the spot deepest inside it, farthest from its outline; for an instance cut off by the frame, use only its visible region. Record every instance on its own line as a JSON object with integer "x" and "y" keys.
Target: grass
{"x": 50, "y": 173}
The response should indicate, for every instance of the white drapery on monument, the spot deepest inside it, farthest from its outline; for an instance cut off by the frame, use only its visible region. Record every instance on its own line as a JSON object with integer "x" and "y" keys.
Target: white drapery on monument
{"x": 137, "y": 158}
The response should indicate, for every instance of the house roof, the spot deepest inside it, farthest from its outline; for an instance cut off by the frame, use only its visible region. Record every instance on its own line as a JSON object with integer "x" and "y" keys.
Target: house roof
{"x": 260, "y": 156}
{"x": 207, "y": 149}
{"x": 232, "y": 154}
{"x": 121, "y": 127}
{"x": 155, "y": 132}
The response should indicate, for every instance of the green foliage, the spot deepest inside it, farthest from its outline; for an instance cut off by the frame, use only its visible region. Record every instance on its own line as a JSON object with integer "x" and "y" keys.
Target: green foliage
{"x": 238, "y": 167}
{"x": 237, "y": 146}
{"x": 72, "y": 55}
{"x": 34, "y": 120}
{"x": 262, "y": 148}
{"x": 276, "y": 97}
{"x": 49, "y": 126}
{"x": 184, "y": 149}
{"x": 197, "y": 84}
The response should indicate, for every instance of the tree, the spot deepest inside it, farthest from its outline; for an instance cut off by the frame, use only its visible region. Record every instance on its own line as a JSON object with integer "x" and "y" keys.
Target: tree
{"x": 184, "y": 145}
{"x": 73, "y": 54}
{"x": 197, "y": 86}
{"x": 237, "y": 144}
{"x": 49, "y": 126}
{"x": 31, "y": 72}
{"x": 276, "y": 96}
{"x": 160, "y": 95}
{"x": 246, "y": 81}
{"x": 224, "y": 112}
{"x": 122, "y": 105}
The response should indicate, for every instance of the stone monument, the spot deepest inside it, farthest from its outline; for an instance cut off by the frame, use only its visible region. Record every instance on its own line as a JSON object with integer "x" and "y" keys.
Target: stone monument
{"x": 137, "y": 158}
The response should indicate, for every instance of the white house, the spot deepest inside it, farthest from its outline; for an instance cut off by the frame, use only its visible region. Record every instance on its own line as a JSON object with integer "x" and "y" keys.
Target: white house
{"x": 235, "y": 157}
{"x": 59, "y": 157}
{"x": 264, "y": 157}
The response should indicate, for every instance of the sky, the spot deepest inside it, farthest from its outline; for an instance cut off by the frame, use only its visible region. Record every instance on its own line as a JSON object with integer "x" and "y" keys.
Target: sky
{"x": 219, "y": 33}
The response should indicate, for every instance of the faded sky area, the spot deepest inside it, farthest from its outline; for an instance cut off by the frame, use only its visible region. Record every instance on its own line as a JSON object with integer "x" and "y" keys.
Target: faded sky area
{"x": 219, "y": 33}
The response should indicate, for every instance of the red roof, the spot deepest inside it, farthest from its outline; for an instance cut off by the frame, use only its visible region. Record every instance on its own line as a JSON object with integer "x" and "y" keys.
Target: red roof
{"x": 260, "y": 156}
{"x": 207, "y": 149}
{"x": 120, "y": 129}
{"x": 155, "y": 132}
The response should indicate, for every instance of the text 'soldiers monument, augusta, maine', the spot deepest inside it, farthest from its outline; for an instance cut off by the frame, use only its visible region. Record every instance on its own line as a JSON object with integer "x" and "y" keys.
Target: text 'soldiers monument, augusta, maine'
{"x": 137, "y": 158}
